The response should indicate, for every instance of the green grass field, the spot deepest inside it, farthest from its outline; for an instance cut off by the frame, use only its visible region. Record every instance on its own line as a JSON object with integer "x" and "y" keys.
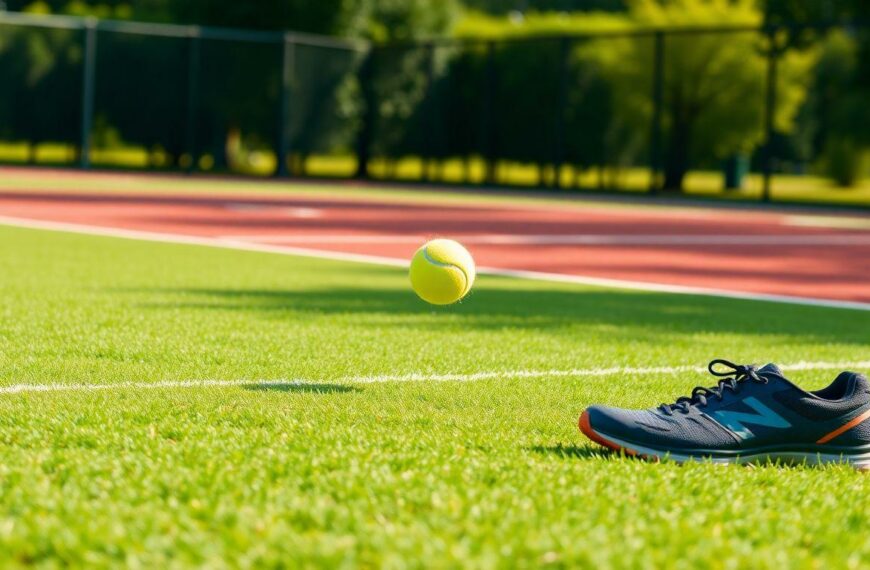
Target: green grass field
{"x": 331, "y": 472}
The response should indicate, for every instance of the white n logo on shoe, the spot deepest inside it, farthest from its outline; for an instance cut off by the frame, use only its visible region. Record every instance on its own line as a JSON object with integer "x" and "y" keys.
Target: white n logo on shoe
{"x": 765, "y": 417}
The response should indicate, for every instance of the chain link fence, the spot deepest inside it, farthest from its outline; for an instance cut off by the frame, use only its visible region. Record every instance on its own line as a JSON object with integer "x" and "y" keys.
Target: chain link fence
{"x": 723, "y": 112}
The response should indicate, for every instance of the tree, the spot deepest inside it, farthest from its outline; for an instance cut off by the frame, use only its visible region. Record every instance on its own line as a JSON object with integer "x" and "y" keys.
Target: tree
{"x": 148, "y": 107}
{"x": 714, "y": 84}
{"x": 316, "y": 16}
{"x": 399, "y": 20}
{"x": 396, "y": 80}
{"x": 834, "y": 122}
{"x": 40, "y": 71}
{"x": 529, "y": 98}
{"x": 507, "y": 6}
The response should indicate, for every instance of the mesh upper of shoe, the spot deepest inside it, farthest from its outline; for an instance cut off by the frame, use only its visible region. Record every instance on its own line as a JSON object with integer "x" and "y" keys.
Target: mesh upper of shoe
{"x": 850, "y": 390}
{"x": 691, "y": 430}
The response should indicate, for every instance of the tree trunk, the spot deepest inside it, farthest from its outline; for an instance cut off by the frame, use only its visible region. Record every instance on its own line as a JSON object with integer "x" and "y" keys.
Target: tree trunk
{"x": 677, "y": 160}
{"x": 491, "y": 175}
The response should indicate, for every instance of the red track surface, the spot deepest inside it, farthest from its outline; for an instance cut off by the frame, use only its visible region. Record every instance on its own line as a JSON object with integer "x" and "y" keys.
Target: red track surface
{"x": 763, "y": 252}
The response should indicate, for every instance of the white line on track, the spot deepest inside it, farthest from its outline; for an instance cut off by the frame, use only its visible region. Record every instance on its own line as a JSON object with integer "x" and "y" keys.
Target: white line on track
{"x": 163, "y": 237}
{"x": 302, "y": 213}
{"x": 838, "y": 222}
{"x": 472, "y": 377}
{"x": 569, "y": 239}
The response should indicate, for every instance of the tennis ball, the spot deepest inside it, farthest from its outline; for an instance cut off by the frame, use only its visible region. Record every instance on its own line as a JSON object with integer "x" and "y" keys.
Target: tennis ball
{"x": 442, "y": 272}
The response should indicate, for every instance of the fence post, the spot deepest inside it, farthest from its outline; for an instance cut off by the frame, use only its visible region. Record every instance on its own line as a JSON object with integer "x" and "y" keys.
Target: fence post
{"x": 88, "y": 77}
{"x": 658, "y": 103}
{"x": 193, "y": 62}
{"x": 288, "y": 64}
{"x": 427, "y": 159}
{"x": 489, "y": 115}
{"x": 769, "y": 109}
{"x": 364, "y": 138}
{"x": 565, "y": 45}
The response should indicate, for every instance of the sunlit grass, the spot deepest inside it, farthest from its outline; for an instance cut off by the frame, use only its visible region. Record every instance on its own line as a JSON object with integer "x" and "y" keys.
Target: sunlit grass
{"x": 414, "y": 474}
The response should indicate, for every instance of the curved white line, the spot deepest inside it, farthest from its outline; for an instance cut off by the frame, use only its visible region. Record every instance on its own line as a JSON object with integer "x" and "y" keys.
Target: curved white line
{"x": 434, "y": 261}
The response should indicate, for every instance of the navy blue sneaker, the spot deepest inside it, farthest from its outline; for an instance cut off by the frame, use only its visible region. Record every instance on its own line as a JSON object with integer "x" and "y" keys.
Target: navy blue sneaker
{"x": 754, "y": 414}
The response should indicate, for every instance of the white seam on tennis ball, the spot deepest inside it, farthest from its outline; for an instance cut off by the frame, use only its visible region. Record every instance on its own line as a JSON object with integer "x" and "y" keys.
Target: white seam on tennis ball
{"x": 467, "y": 285}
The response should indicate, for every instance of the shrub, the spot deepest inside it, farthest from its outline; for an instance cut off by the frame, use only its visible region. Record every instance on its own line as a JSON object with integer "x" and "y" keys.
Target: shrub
{"x": 844, "y": 161}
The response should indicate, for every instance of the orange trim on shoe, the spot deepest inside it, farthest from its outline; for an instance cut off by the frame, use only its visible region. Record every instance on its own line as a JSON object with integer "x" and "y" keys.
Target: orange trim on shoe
{"x": 845, "y": 428}
{"x": 586, "y": 427}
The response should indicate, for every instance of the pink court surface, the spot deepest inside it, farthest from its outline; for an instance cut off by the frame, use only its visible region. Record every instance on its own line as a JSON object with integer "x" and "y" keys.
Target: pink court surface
{"x": 812, "y": 257}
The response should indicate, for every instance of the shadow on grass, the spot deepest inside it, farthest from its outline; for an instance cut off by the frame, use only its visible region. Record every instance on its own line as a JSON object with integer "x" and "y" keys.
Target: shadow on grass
{"x": 574, "y": 451}
{"x": 634, "y": 314}
{"x": 595, "y": 452}
{"x": 301, "y": 387}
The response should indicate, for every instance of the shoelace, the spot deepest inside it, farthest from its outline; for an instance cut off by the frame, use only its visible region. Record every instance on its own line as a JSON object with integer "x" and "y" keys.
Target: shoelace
{"x": 731, "y": 380}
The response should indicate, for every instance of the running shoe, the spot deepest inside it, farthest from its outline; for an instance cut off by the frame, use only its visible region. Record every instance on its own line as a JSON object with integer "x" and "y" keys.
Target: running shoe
{"x": 753, "y": 414}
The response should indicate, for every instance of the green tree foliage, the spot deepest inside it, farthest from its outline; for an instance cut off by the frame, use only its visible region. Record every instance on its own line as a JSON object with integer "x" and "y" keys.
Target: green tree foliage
{"x": 600, "y": 91}
{"x": 398, "y": 79}
{"x": 528, "y": 99}
{"x": 316, "y": 16}
{"x": 40, "y": 71}
{"x": 714, "y": 84}
{"x": 834, "y": 122}
{"x": 320, "y": 16}
{"x": 502, "y": 7}
{"x": 380, "y": 20}
{"x": 326, "y": 104}
{"x": 399, "y": 20}
{"x": 533, "y": 99}
{"x": 780, "y": 12}
{"x": 148, "y": 107}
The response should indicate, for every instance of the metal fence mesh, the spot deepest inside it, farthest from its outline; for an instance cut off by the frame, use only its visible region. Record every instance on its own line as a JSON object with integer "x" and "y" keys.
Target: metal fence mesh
{"x": 323, "y": 110}
{"x": 636, "y": 111}
{"x": 140, "y": 101}
{"x": 40, "y": 91}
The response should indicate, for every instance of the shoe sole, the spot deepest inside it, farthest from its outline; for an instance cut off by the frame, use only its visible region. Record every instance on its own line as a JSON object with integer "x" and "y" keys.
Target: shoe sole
{"x": 860, "y": 461}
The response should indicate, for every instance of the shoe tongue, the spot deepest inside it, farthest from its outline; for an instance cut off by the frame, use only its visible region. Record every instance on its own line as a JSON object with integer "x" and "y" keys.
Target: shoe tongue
{"x": 771, "y": 369}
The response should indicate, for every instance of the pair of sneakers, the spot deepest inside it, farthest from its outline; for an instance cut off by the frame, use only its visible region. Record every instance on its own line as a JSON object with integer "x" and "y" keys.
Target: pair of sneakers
{"x": 752, "y": 414}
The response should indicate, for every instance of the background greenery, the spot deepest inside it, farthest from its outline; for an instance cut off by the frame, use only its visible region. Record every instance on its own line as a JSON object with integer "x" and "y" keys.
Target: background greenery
{"x": 533, "y": 99}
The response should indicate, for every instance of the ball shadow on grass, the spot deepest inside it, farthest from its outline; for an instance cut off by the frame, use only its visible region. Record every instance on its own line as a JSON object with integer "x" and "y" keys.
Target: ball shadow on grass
{"x": 628, "y": 313}
{"x": 301, "y": 387}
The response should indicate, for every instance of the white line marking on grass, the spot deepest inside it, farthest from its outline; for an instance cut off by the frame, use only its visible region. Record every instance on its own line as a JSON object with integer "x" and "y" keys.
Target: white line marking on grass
{"x": 394, "y": 262}
{"x": 416, "y": 377}
{"x": 571, "y": 239}
{"x": 164, "y": 237}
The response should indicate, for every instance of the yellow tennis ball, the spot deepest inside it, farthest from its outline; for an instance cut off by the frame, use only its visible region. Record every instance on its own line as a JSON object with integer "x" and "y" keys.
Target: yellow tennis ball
{"x": 442, "y": 272}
